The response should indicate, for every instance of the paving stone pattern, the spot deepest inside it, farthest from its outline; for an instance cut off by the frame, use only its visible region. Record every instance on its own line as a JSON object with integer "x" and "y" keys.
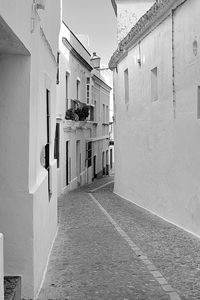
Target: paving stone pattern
{"x": 174, "y": 252}
{"x": 91, "y": 260}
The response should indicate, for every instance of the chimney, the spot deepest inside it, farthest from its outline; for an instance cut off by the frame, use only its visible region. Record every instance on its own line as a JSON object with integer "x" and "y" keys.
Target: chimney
{"x": 128, "y": 13}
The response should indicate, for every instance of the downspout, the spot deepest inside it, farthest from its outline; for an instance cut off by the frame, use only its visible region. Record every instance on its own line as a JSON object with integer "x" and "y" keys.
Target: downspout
{"x": 173, "y": 65}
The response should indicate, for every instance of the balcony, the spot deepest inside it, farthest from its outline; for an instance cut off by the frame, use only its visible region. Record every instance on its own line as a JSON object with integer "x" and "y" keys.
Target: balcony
{"x": 80, "y": 111}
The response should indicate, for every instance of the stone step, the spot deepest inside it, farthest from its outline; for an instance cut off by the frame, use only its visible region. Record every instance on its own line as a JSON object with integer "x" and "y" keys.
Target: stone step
{"x": 12, "y": 288}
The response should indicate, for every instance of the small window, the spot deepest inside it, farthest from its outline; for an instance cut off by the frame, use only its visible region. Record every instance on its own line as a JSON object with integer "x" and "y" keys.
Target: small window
{"x": 77, "y": 89}
{"x": 67, "y": 90}
{"x": 126, "y": 86}
{"x": 154, "y": 84}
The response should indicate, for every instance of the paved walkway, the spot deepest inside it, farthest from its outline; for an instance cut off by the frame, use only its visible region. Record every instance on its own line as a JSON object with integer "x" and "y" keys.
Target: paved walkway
{"x": 108, "y": 248}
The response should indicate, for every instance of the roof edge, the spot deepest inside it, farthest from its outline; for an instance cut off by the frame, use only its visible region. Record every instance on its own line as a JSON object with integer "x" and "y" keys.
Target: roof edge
{"x": 114, "y": 6}
{"x": 156, "y": 12}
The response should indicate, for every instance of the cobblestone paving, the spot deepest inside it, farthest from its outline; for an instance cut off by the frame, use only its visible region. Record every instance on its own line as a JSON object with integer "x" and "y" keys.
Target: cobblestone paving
{"x": 174, "y": 252}
{"x": 90, "y": 260}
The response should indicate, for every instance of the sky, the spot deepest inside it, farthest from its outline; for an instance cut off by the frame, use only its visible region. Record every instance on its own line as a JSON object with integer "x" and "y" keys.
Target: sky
{"x": 95, "y": 18}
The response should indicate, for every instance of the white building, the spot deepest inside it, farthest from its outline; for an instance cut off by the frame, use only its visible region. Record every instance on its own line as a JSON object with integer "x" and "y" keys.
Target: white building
{"x": 82, "y": 142}
{"x": 28, "y": 193}
{"x": 157, "y": 112}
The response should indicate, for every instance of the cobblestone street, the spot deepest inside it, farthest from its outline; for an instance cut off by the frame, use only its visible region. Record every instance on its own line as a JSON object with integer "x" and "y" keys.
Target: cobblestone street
{"x": 108, "y": 248}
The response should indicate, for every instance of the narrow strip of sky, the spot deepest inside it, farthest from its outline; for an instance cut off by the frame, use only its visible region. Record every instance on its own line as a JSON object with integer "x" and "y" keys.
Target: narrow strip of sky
{"x": 96, "y": 19}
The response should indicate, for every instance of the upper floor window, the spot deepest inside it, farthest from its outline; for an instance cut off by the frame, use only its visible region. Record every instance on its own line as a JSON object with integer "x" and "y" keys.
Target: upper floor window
{"x": 154, "y": 84}
{"x": 77, "y": 89}
{"x": 126, "y": 86}
{"x": 104, "y": 113}
{"x": 67, "y": 90}
{"x": 107, "y": 114}
{"x": 88, "y": 90}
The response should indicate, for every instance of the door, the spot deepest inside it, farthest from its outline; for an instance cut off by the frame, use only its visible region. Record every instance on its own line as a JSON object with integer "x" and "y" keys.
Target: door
{"x": 78, "y": 161}
{"x": 67, "y": 163}
{"x": 111, "y": 158}
{"x": 94, "y": 167}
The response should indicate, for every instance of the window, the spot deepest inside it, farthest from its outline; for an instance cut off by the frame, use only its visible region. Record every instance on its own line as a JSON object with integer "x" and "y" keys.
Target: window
{"x": 198, "y": 103}
{"x": 91, "y": 113}
{"x": 154, "y": 84}
{"x": 93, "y": 95}
{"x": 104, "y": 113}
{"x": 57, "y": 144}
{"x": 89, "y": 154}
{"x": 107, "y": 114}
{"x": 95, "y": 111}
{"x": 67, "y": 90}
{"x": 58, "y": 62}
{"x": 77, "y": 89}
{"x": 126, "y": 86}
{"x": 88, "y": 90}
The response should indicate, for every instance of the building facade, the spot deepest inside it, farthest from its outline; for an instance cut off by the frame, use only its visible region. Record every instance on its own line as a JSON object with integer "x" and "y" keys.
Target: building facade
{"x": 28, "y": 186}
{"x": 1, "y": 268}
{"x": 157, "y": 113}
{"x": 82, "y": 106}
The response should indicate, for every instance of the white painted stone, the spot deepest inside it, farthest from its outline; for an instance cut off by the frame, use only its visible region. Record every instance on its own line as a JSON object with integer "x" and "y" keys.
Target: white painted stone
{"x": 157, "y": 162}
{"x": 28, "y": 219}
{"x": 1, "y": 267}
{"x": 128, "y": 13}
{"x": 86, "y": 131}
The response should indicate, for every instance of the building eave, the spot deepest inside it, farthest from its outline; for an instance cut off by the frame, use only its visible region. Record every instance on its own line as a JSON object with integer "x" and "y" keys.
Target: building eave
{"x": 114, "y": 6}
{"x": 101, "y": 83}
{"x": 76, "y": 54}
{"x": 159, "y": 11}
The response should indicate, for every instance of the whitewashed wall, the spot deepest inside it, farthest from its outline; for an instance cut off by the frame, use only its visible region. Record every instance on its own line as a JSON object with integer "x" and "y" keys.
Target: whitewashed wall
{"x": 128, "y": 13}
{"x": 157, "y": 163}
{"x": 23, "y": 181}
{"x": 1, "y": 267}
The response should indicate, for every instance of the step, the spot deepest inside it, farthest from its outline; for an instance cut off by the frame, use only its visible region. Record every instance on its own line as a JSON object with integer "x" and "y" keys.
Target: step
{"x": 12, "y": 288}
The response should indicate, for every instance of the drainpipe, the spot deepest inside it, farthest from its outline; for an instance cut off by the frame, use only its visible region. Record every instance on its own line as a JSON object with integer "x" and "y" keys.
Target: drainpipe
{"x": 173, "y": 65}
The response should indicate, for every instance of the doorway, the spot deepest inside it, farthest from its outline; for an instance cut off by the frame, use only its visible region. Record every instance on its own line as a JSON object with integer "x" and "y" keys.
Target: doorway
{"x": 94, "y": 166}
{"x": 67, "y": 163}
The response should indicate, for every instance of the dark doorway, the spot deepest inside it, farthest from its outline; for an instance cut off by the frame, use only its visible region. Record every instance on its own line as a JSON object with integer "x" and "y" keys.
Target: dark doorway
{"x": 67, "y": 163}
{"x": 94, "y": 167}
{"x": 111, "y": 158}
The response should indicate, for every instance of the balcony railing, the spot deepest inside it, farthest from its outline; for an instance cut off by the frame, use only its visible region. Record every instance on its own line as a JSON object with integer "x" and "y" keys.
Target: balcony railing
{"x": 80, "y": 111}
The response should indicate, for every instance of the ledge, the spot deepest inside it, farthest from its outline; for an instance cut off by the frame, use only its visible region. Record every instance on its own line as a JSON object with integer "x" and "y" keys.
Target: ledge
{"x": 71, "y": 125}
{"x": 104, "y": 137}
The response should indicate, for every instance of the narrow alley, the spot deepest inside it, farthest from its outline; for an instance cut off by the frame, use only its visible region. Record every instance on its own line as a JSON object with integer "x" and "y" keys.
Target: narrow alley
{"x": 109, "y": 248}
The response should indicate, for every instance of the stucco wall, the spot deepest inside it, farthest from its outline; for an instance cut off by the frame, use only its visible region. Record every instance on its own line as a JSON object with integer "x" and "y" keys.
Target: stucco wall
{"x": 27, "y": 218}
{"x": 128, "y": 13}
{"x": 1, "y": 267}
{"x": 156, "y": 156}
{"x": 43, "y": 77}
{"x": 16, "y": 217}
{"x": 12, "y": 12}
